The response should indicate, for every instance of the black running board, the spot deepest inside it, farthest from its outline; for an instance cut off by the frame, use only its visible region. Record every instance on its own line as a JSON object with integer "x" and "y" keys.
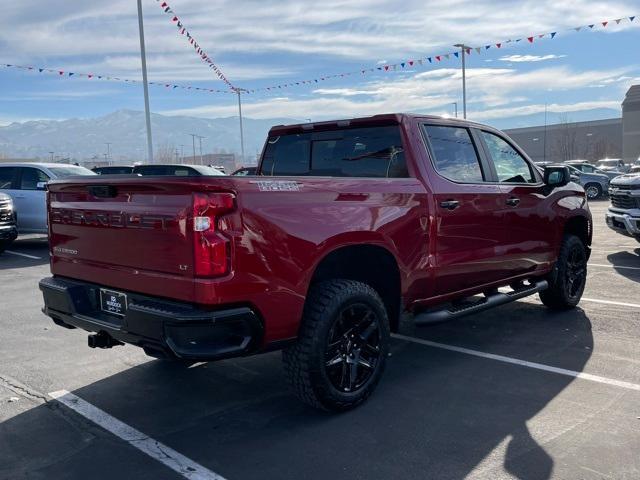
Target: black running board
{"x": 452, "y": 312}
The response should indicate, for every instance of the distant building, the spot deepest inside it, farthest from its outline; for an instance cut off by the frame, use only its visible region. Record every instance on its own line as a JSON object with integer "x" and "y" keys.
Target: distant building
{"x": 631, "y": 125}
{"x": 591, "y": 140}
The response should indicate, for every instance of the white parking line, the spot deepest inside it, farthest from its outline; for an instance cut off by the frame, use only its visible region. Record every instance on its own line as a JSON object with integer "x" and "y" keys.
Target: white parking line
{"x": 612, "y": 266}
{"x": 522, "y": 363}
{"x": 610, "y": 302}
{"x": 23, "y": 255}
{"x": 156, "y": 450}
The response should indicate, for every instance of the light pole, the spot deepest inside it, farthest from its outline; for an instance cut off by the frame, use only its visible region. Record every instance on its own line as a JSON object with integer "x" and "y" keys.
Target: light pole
{"x": 200, "y": 137}
{"x": 51, "y": 156}
{"x": 108, "y": 144}
{"x": 544, "y": 155}
{"x": 181, "y": 153}
{"x": 455, "y": 109}
{"x": 143, "y": 57}
{"x": 193, "y": 144}
{"x": 463, "y": 50}
{"x": 239, "y": 92}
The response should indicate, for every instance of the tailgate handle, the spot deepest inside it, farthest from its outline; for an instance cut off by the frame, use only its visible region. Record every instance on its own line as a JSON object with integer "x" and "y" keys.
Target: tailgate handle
{"x": 103, "y": 191}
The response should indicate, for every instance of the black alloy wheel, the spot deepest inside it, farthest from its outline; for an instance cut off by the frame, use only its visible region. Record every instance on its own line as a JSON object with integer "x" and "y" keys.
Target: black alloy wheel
{"x": 353, "y": 348}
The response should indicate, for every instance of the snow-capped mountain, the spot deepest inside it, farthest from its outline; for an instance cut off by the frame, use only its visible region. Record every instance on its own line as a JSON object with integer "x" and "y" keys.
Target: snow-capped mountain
{"x": 86, "y": 138}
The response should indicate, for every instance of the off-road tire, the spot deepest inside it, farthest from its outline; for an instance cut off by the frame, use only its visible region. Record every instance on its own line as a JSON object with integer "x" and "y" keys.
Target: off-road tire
{"x": 562, "y": 294}
{"x": 305, "y": 361}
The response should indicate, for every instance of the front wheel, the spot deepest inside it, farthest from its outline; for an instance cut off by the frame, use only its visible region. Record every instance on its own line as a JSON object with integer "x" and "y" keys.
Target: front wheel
{"x": 4, "y": 245}
{"x": 342, "y": 346}
{"x": 569, "y": 275}
{"x": 593, "y": 191}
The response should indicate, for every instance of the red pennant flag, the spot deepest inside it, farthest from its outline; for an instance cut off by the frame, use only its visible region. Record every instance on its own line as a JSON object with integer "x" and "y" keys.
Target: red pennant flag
{"x": 498, "y": 45}
{"x": 411, "y": 62}
{"x": 386, "y": 68}
{"x": 175, "y": 19}
{"x": 468, "y": 51}
{"x": 163, "y": 4}
{"x": 530, "y": 39}
{"x": 438, "y": 57}
{"x": 61, "y": 72}
{"x": 604, "y": 24}
{"x": 90, "y": 75}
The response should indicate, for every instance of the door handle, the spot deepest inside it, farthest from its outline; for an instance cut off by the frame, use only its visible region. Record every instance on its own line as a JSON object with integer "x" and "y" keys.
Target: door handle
{"x": 450, "y": 204}
{"x": 513, "y": 201}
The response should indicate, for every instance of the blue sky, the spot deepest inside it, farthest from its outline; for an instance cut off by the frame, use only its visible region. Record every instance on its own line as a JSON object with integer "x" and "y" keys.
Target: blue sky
{"x": 261, "y": 43}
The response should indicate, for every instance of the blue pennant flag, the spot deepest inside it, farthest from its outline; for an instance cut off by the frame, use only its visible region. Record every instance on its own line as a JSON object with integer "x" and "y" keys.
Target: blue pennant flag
{"x": 631, "y": 19}
{"x": 71, "y": 74}
{"x": 457, "y": 54}
{"x": 553, "y": 34}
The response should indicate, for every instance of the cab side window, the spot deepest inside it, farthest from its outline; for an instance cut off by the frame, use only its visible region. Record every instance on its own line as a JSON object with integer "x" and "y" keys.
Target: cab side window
{"x": 31, "y": 177}
{"x": 510, "y": 166}
{"x": 454, "y": 154}
{"x": 7, "y": 175}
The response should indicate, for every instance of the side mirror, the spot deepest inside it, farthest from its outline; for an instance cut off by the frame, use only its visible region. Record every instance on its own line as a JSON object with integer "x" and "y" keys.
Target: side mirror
{"x": 41, "y": 186}
{"x": 556, "y": 175}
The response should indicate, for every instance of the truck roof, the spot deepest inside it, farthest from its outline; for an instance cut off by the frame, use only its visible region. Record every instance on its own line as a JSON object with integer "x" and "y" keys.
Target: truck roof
{"x": 374, "y": 120}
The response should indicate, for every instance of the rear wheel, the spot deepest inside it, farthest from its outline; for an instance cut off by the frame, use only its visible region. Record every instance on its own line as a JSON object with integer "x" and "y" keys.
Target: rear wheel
{"x": 569, "y": 275}
{"x": 593, "y": 191}
{"x": 4, "y": 245}
{"x": 342, "y": 346}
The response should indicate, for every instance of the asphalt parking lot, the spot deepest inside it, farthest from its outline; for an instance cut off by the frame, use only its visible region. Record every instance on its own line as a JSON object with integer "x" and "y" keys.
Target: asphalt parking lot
{"x": 515, "y": 392}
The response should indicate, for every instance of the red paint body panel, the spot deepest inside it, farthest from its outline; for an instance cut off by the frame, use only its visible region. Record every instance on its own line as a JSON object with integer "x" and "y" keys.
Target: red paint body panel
{"x": 142, "y": 239}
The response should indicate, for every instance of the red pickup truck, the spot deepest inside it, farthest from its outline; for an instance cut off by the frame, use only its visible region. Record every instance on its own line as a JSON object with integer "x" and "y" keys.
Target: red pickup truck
{"x": 346, "y": 226}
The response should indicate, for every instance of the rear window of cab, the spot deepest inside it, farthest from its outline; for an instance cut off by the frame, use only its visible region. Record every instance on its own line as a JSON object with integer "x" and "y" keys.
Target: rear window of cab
{"x": 375, "y": 152}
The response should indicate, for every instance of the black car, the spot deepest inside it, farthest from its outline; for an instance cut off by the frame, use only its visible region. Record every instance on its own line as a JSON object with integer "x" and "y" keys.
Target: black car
{"x": 8, "y": 229}
{"x": 113, "y": 170}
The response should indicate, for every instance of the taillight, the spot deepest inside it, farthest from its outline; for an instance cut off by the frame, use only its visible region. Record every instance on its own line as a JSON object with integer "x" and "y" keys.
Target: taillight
{"x": 212, "y": 250}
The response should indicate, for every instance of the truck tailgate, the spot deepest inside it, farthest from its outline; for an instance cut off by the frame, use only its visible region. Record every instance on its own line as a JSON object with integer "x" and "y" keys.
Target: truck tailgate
{"x": 127, "y": 232}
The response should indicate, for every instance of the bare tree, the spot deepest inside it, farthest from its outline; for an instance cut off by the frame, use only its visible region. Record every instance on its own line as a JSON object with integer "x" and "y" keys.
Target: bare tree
{"x": 566, "y": 146}
{"x": 165, "y": 153}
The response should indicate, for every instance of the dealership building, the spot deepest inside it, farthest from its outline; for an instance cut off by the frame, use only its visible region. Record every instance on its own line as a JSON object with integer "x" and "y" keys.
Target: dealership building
{"x": 591, "y": 140}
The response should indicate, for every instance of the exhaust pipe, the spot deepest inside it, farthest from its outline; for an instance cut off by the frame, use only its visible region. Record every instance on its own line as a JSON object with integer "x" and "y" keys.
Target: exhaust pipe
{"x": 102, "y": 340}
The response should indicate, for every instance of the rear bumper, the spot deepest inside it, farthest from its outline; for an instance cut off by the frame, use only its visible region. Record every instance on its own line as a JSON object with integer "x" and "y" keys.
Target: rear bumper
{"x": 8, "y": 233}
{"x": 161, "y": 327}
{"x": 625, "y": 223}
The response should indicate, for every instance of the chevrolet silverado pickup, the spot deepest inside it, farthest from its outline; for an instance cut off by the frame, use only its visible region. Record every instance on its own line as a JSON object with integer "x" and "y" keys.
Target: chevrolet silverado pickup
{"x": 346, "y": 226}
{"x": 623, "y": 214}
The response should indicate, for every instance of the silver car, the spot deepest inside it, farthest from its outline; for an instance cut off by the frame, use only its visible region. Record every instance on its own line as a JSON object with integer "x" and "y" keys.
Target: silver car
{"x": 595, "y": 184}
{"x": 613, "y": 165}
{"x": 586, "y": 167}
{"x": 26, "y": 184}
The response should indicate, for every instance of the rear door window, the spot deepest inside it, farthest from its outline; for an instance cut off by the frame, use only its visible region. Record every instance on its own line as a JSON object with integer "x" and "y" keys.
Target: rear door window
{"x": 30, "y": 177}
{"x": 7, "y": 176}
{"x": 454, "y": 155}
{"x": 360, "y": 152}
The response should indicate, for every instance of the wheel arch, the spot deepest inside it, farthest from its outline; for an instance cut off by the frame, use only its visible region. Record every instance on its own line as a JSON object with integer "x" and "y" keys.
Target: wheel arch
{"x": 368, "y": 263}
{"x": 581, "y": 227}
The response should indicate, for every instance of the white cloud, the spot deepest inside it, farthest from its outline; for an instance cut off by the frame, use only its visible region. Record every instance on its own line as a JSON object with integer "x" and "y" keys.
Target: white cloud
{"x": 491, "y": 93}
{"x": 530, "y": 58}
{"x": 249, "y": 38}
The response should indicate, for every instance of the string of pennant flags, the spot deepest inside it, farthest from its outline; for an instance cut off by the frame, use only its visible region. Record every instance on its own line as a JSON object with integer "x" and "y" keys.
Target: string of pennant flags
{"x": 435, "y": 59}
{"x": 194, "y": 43}
{"x": 389, "y": 67}
{"x": 90, "y": 76}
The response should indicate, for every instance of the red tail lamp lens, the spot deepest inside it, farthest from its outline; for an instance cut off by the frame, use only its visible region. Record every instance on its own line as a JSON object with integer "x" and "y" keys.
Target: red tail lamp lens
{"x": 212, "y": 250}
